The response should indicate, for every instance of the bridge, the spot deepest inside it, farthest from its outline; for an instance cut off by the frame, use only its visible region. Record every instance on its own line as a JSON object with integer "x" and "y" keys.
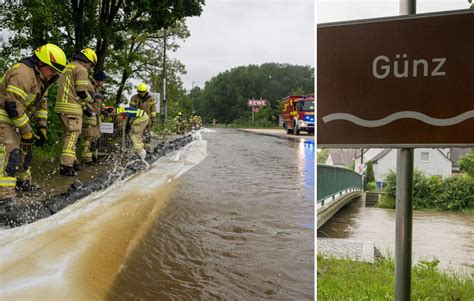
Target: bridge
{"x": 336, "y": 187}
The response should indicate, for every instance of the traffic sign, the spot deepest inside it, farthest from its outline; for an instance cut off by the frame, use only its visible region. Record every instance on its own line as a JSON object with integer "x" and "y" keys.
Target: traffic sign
{"x": 402, "y": 81}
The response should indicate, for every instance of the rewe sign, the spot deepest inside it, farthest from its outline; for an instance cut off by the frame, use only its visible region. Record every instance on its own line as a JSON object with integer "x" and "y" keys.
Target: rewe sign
{"x": 403, "y": 81}
{"x": 257, "y": 102}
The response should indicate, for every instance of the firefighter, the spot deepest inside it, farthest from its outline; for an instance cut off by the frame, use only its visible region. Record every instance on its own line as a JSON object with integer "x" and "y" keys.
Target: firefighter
{"x": 22, "y": 91}
{"x": 143, "y": 100}
{"x": 72, "y": 102}
{"x": 91, "y": 124}
{"x": 179, "y": 119}
{"x": 136, "y": 122}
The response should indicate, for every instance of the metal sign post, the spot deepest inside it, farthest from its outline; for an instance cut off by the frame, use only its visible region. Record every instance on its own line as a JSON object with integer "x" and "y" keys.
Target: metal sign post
{"x": 404, "y": 205}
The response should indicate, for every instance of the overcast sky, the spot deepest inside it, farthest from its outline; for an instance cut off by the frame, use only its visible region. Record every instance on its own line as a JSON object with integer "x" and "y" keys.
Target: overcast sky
{"x": 343, "y": 10}
{"x": 231, "y": 33}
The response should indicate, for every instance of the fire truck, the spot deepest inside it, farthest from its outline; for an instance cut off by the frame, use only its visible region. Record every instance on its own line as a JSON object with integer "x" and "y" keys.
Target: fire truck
{"x": 297, "y": 114}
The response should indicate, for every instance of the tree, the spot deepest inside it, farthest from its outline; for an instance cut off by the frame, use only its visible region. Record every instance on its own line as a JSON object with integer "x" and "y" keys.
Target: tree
{"x": 142, "y": 56}
{"x": 74, "y": 24}
{"x": 467, "y": 163}
{"x": 369, "y": 173}
{"x": 322, "y": 156}
{"x": 224, "y": 96}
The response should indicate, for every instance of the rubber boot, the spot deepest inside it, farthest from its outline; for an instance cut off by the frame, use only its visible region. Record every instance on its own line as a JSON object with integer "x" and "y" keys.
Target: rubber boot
{"x": 67, "y": 171}
{"x": 27, "y": 185}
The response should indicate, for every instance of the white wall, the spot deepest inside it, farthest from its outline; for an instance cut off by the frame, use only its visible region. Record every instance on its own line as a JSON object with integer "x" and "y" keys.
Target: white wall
{"x": 438, "y": 164}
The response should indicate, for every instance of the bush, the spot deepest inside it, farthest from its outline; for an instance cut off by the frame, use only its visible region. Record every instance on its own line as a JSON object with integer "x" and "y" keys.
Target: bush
{"x": 430, "y": 192}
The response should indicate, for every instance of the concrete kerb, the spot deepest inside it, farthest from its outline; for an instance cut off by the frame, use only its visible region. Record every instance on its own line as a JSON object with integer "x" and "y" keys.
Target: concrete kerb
{"x": 27, "y": 213}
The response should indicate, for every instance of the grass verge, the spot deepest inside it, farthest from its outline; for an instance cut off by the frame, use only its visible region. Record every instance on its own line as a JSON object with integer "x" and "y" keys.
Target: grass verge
{"x": 343, "y": 279}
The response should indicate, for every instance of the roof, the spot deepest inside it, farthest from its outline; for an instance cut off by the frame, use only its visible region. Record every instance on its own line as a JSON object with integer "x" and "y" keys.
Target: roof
{"x": 342, "y": 157}
{"x": 456, "y": 153}
{"x": 380, "y": 155}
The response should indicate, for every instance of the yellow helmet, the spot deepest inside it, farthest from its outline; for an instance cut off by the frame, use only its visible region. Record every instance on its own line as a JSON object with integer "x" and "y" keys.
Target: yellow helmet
{"x": 90, "y": 55}
{"x": 179, "y": 114}
{"x": 52, "y": 56}
{"x": 142, "y": 88}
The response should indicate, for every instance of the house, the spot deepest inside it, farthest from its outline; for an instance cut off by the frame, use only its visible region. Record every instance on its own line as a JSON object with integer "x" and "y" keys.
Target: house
{"x": 431, "y": 161}
{"x": 455, "y": 154}
{"x": 341, "y": 157}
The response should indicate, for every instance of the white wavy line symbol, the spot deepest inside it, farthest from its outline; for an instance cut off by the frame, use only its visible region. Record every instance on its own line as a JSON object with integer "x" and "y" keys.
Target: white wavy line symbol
{"x": 399, "y": 115}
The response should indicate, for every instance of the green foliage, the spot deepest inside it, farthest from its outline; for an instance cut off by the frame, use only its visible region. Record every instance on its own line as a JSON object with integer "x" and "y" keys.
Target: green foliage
{"x": 225, "y": 96}
{"x": 467, "y": 163}
{"x": 369, "y": 173}
{"x": 453, "y": 193}
{"x": 322, "y": 156}
{"x": 343, "y": 279}
{"x": 371, "y": 186}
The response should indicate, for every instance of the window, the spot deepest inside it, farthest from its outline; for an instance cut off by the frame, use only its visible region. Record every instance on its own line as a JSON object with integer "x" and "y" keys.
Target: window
{"x": 425, "y": 157}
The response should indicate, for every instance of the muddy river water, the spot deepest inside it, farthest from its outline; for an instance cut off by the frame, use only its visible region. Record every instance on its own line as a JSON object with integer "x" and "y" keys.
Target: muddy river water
{"x": 446, "y": 236}
{"x": 228, "y": 217}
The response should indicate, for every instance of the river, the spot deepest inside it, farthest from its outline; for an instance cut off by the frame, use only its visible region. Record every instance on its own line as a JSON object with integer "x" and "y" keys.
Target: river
{"x": 446, "y": 236}
{"x": 229, "y": 217}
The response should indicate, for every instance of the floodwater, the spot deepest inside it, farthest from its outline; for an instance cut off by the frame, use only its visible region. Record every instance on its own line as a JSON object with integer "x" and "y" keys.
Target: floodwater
{"x": 238, "y": 225}
{"x": 446, "y": 236}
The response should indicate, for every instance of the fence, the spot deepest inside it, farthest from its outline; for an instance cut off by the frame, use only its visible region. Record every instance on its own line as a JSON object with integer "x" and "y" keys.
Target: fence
{"x": 333, "y": 180}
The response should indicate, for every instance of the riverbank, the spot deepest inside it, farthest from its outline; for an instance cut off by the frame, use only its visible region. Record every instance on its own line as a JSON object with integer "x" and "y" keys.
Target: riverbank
{"x": 343, "y": 279}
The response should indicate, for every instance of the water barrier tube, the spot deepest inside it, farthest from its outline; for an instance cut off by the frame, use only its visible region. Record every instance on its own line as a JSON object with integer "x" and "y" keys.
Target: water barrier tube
{"x": 26, "y": 213}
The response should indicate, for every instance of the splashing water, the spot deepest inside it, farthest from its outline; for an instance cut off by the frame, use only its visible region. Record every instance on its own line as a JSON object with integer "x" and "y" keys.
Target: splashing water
{"x": 76, "y": 253}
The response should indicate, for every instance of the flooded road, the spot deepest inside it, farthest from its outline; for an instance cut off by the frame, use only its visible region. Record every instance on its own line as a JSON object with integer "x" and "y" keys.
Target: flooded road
{"x": 239, "y": 225}
{"x": 447, "y": 236}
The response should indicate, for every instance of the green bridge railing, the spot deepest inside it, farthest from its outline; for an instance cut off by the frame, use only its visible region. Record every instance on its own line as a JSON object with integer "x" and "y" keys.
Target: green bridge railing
{"x": 333, "y": 180}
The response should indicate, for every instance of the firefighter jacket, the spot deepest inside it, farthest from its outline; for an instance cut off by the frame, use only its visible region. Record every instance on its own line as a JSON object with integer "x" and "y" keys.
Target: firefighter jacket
{"x": 23, "y": 96}
{"x": 147, "y": 104}
{"x": 130, "y": 116}
{"x": 74, "y": 79}
{"x": 95, "y": 107}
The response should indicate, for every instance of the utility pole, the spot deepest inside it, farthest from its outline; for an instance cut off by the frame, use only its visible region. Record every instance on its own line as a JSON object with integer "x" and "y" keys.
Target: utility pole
{"x": 404, "y": 205}
{"x": 164, "y": 108}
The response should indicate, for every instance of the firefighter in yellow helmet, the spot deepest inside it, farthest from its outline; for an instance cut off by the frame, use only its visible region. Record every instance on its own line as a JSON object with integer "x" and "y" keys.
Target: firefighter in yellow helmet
{"x": 23, "y": 105}
{"x": 180, "y": 123}
{"x": 91, "y": 124}
{"x": 143, "y": 100}
{"x": 136, "y": 121}
{"x": 72, "y": 101}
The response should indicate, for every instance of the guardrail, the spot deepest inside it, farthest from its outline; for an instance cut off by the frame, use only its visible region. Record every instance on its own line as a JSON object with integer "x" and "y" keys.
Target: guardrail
{"x": 334, "y": 180}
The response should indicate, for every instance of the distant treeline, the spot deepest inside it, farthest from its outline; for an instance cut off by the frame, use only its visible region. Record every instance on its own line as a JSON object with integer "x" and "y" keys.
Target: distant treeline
{"x": 224, "y": 97}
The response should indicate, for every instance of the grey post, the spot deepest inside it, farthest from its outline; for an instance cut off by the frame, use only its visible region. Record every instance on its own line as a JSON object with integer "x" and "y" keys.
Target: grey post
{"x": 404, "y": 205}
{"x": 404, "y": 224}
{"x": 164, "y": 112}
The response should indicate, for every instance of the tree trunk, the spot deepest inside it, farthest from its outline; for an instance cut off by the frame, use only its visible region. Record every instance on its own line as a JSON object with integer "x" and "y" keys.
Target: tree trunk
{"x": 78, "y": 13}
{"x": 118, "y": 96}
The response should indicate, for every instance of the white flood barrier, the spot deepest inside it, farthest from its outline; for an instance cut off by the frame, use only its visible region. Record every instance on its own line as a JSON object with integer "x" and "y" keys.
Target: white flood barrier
{"x": 76, "y": 253}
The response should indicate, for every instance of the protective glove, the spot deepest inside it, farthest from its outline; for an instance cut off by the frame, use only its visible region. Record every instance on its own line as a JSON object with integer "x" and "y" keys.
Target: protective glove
{"x": 88, "y": 111}
{"x": 41, "y": 136}
{"x": 27, "y": 141}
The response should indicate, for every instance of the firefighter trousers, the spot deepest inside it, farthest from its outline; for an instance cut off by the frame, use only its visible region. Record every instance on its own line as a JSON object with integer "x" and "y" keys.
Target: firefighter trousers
{"x": 9, "y": 160}
{"x": 71, "y": 126}
{"x": 91, "y": 134}
{"x": 136, "y": 131}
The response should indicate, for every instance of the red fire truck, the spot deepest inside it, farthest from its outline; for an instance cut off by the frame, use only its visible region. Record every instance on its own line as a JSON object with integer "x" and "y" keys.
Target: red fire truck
{"x": 297, "y": 114}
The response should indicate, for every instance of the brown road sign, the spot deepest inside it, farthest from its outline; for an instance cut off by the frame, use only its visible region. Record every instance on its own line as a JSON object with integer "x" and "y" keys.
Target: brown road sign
{"x": 403, "y": 81}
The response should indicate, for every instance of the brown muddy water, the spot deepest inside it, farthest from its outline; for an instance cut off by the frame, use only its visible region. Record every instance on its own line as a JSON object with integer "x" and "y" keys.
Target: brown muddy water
{"x": 446, "y": 236}
{"x": 238, "y": 225}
